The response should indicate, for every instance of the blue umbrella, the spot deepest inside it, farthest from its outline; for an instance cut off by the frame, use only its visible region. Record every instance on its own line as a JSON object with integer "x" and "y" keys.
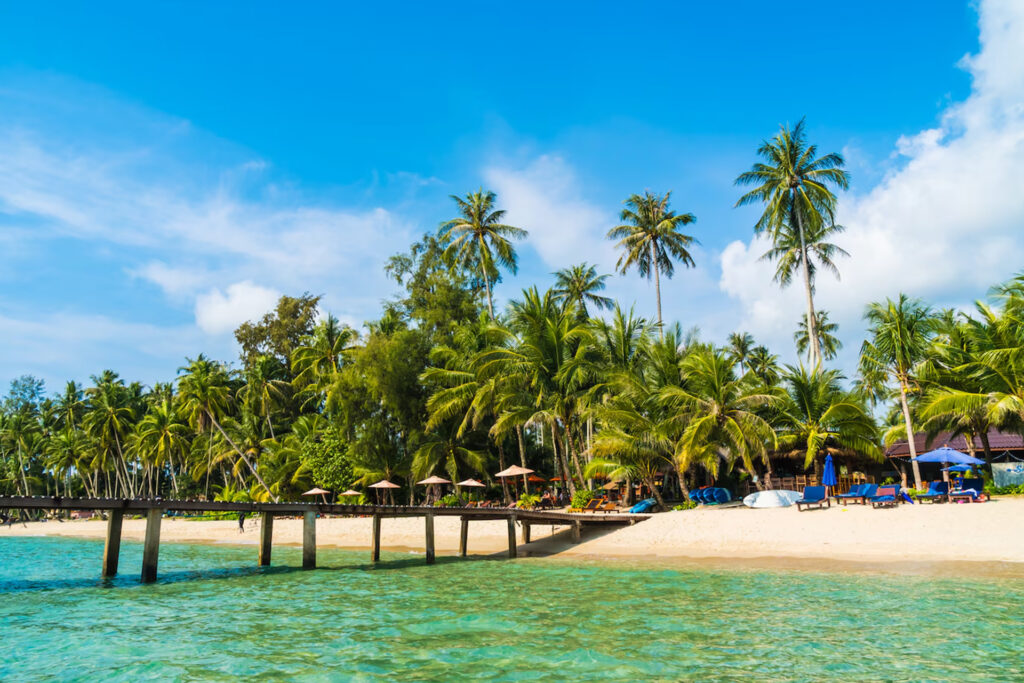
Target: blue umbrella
{"x": 948, "y": 455}
{"x": 957, "y": 468}
{"x": 828, "y": 477}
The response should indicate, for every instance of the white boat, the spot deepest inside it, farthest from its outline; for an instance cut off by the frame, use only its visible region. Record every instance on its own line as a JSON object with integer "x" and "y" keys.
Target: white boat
{"x": 771, "y": 499}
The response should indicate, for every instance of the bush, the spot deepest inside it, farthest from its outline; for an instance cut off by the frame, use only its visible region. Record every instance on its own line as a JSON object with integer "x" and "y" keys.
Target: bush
{"x": 686, "y": 505}
{"x": 581, "y": 498}
{"x": 1004, "y": 490}
{"x": 527, "y": 501}
{"x": 329, "y": 460}
{"x": 451, "y": 500}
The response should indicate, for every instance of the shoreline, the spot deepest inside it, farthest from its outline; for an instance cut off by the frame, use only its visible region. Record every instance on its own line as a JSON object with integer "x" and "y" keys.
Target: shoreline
{"x": 977, "y": 540}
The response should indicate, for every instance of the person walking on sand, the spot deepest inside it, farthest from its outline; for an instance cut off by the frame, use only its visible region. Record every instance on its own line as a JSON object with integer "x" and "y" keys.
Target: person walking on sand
{"x": 241, "y": 522}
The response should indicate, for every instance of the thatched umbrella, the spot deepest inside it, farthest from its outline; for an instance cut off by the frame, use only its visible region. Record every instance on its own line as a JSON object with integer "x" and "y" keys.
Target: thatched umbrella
{"x": 472, "y": 483}
{"x": 384, "y": 484}
{"x": 516, "y": 471}
{"x": 433, "y": 481}
{"x": 317, "y": 492}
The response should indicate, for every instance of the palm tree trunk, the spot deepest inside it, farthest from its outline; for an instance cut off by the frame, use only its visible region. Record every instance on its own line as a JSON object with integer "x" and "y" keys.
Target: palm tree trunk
{"x": 504, "y": 480}
{"x": 657, "y": 288}
{"x": 983, "y": 435}
{"x": 209, "y": 464}
{"x": 487, "y": 286}
{"x": 910, "y": 433}
{"x": 560, "y": 454}
{"x": 655, "y": 492}
{"x": 812, "y": 321}
{"x": 252, "y": 467}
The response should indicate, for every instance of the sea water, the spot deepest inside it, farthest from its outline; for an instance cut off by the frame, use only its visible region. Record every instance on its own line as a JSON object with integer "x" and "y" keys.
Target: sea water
{"x": 214, "y": 616}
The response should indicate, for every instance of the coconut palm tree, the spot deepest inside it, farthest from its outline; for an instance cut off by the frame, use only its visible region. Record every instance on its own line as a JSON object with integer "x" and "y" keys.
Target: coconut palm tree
{"x": 320, "y": 357}
{"x": 795, "y": 186}
{"x": 828, "y": 342}
{"x": 478, "y": 238}
{"x": 900, "y": 332}
{"x": 161, "y": 438}
{"x": 818, "y": 416}
{"x": 764, "y": 365}
{"x": 579, "y": 285}
{"x": 740, "y": 346}
{"x": 649, "y": 239}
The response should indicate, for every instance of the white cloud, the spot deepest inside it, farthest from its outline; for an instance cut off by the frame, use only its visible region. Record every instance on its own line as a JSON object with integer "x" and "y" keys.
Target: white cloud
{"x": 219, "y": 312}
{"x": 945, "y": 225}
{"x": 545, "y": 198}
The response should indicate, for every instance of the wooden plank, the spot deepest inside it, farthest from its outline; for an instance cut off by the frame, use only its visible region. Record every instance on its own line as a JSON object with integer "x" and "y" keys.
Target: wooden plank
{"x": 375, "y": 552}
{"x": 151, "y": 546}
{"x": 429, "y": 517}
{"x": 112, "y": 548}
{"x": 463, "y": 537}
{"x": 309, "y": 540}
{"x": 266, "y": 538}
{"x": 512, "y": 536}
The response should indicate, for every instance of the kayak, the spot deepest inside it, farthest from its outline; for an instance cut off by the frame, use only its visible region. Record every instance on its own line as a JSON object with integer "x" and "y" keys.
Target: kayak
{"x": 771, "y": 499}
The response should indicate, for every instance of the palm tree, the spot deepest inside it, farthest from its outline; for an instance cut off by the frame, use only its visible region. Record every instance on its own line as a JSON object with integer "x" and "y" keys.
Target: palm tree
{"x": 477, "y": 236}
{"x": 828, "y": 342}
{"x": 764, "y": 365}
{"x": 900, "y": 332}
{"x": 264, "y": 388}
{"x": 740, "y": 346}
{"x": 649, "y": 239}
{"x": 579, "y": 284}
{"x": 795, "y": 186}
{"x": 320, "y": 356}
{"x": 818, "y": 416}
{"x": 161, "y": 437}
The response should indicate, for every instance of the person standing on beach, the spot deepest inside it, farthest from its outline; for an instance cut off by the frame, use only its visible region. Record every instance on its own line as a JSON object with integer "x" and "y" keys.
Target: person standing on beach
{"x": 241, "y": 522}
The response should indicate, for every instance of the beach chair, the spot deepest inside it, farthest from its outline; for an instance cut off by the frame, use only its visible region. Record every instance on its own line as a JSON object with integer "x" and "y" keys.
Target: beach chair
{"x": 814, "y": 496}
{"x": 853, "y": 494}
{"x": 887, "y": 497}
{"x": 593, "y": 505}
{"x": 471, "y": 504}
{"x": 971, "y": 490}
{"x": 937, "y": 491}
{"x": 608, "y": 506}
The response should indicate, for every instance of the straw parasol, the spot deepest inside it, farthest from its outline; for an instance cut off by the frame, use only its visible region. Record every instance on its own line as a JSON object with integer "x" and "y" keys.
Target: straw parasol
{"x": 317, "y": 492}
{"x": 611, "y": 485}
{"x": 515, "y": 471}
{"x": 350, "y": 492}
{"x": 472, "y": 483}
{"x": 433, "y": 481}
{"x": 384, "y": 484}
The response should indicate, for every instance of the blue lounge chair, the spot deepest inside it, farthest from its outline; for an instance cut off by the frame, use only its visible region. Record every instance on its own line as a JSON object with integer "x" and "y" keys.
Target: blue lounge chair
{"x": 937, "y": 490}
{"x": 971, "y": 490}
{"x": 853, "y": 494}
{"x": 887, "y": 497}
{"x": 813, "y": 496}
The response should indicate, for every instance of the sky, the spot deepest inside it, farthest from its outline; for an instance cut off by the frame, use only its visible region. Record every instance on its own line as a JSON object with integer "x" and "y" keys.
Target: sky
{"x": 167, "y": 170}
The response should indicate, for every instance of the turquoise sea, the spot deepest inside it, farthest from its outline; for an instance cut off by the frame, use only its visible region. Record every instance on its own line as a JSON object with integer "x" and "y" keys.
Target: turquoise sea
{"x": 214, "y": 616}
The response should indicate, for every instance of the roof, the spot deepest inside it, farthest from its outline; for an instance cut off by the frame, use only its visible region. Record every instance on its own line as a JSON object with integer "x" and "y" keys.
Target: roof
{"x": 998, "y": 441}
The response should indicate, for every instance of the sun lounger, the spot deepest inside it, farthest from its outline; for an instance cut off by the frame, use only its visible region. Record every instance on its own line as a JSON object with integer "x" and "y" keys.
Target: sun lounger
{"x": 887, "y": 497}
{"x": 937, "y": 491}
{"x": 608, "y": 507}
{"x": 971, "y": 490}
{"x": 593, "y": 505}
{"x": 853, "y": 494}
{"x": 813, "y": 496}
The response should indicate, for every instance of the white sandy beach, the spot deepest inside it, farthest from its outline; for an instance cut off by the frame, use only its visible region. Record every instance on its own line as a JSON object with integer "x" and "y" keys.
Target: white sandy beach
{"x": 973, "y": 533}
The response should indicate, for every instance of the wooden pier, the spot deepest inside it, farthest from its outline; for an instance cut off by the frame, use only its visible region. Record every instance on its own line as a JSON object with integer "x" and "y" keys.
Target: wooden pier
{"x": 153, "y": 509}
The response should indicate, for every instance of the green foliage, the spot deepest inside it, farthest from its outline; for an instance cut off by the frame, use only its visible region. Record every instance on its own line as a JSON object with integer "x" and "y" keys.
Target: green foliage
{"x": 582, "y": 497}
{"x": 1015, "y": 490}
{"x": 279, "y": 332}
{"x": 528, "y": 501}
{"x": 450, "y": 500}
{"x": 329, "y": 462}
{"x": 685, "y": 505}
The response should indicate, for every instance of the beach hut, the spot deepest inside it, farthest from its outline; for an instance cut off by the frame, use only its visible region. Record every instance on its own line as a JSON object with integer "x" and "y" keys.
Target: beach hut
{"x": 385, "y": 485}
{"x": 318, "y": 492}
{"x": 433, "y": 482}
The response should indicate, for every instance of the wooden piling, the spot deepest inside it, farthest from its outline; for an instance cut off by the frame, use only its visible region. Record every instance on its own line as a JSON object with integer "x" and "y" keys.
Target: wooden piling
{"x": 512, "y": 536}
{"x": 375, "y": 553}
{"x": 526, "y": 532}
{"x": 266, "y": 538}
{"x": 577, "y": 527}
{"x": 430, "y": 537}
{"x": 112, "y": 549}
{"x": 463, "y": 537}
{"x": 151, "y": 546}
{"x": 309, "y": 540}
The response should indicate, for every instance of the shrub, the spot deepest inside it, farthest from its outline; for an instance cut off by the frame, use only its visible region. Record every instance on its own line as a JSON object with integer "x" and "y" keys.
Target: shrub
{"x": 581, "y": 498}
{"x": 527, "y": 501}
{"x": 451, "y": 500}
{"x": 1004, "y": 490}
{"x": 685, "y": 505}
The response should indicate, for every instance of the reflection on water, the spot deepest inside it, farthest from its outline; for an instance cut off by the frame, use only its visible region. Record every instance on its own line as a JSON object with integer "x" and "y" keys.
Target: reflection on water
{"x": 214, "y": 615}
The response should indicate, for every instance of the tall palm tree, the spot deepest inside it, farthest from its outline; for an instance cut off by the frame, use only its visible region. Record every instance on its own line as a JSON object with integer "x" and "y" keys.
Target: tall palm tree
{"x": 580, "y": 284}
{"x": 740, "y": 346}
{"x": 320, "y": 356}
{"x": 650, "y": 240}
{"x": 828, "y": 342}
{"x": 478, "y": 237}
{"x": 795, "y": 186}
{"x": 764, "y": 365}
{"x": 900, "y": 332}
{"x": 162, "y": 437}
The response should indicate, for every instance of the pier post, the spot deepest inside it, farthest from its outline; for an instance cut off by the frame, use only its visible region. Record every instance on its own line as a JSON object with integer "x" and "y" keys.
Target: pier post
{"x": 375, "y": 553}
{"x": 430, "y": 538}
{"x": 512, "y": 536}
{"x": 151, "y": 546}
{"x": 266, "y": 538}
{"x": 577, "y": 527}
{"x": 463, "y": 537}
{"x": 526, "y": 532}
{"x": 309, "y": 540}
{"x": 112, "y": 549}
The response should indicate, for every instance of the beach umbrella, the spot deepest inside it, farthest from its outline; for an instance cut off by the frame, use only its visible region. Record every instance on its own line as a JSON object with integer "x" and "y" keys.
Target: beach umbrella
{"x": 957, "y": 468}
{"x": 472, "y": 483}
{"x": 611, "y": 485}
{"x": 433, "y": 481}
{"x": 946, "y": 456}
{"x": 350, "y": 493}
{"x": 317, "y": 492}
{"x": 383, "y": 485}
{"x": 828, "y": 476}
{"x": 515, "y": 471}
{"x": 535, "y": 479}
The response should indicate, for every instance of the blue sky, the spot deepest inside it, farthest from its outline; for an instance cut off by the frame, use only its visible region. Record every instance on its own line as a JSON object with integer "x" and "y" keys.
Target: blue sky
{"x": 168, "y": 169}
